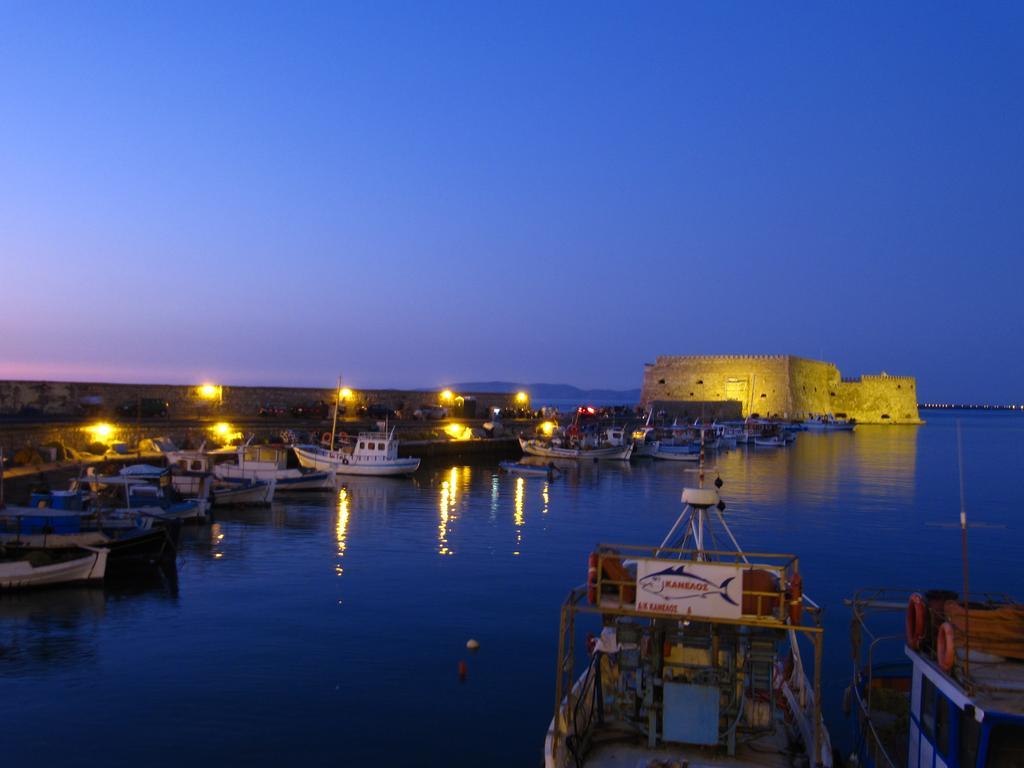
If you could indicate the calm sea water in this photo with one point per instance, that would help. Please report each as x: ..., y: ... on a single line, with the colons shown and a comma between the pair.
x: 328, y: 630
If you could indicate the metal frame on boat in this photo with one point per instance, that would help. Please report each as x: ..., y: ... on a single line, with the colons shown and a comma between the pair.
x: 689, y: 655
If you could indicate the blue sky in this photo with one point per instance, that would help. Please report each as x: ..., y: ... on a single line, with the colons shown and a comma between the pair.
x: 414, y: 193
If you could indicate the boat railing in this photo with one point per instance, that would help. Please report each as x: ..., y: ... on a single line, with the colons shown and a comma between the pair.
x: 866, y: 604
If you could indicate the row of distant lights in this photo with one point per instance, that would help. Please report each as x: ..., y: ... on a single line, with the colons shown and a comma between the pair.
x: 448, y: 396
x: 967, y: 406
x: 104, y: 432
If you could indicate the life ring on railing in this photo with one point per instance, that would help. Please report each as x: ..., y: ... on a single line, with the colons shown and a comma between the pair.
x: 325, y: 439
x: 946, y: 649
x: 796, y: 599
x: 344, y: 460
x: 343, y: 436
x: 915, y: 620
x: 592, y: 578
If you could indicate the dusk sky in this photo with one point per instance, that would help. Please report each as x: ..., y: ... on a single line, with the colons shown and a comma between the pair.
x: 418, y: 193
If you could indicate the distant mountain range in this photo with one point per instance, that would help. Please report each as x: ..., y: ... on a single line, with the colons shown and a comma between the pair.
x: 541, y: 394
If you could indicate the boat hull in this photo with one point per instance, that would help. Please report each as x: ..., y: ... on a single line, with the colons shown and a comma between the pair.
x: 528, y: 470
x: 257, y: 493
x: 342, y: 464
x: 20, y: 574
x: 309, y: 481
x: 617, y: 453
x: 662, y: 455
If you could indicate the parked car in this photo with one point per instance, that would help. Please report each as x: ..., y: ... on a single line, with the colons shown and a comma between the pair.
x: 272, y: 409
x: 147, y: 407
x: 379, y: 411
x: 430, y: 412
x: 317, y: 410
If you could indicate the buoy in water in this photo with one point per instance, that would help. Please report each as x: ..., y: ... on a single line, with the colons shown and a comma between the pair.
x: 472, y: 644
x: 462, y: 670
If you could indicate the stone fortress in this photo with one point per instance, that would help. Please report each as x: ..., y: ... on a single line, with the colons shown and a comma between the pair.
x: 781, y: 386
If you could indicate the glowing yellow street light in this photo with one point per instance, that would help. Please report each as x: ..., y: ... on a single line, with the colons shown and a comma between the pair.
x: 522, y: 398
x: 547, y: 427
x: 446, y: 396
x: 100, y: 431
x: 225, y: 431
x: 209, y: 391
x: 458, y: 432
x: 345, y: 393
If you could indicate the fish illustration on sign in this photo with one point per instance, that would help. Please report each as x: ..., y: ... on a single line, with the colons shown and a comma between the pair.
x: 680, y: 580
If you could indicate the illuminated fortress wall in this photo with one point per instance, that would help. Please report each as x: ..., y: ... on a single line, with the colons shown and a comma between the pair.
x: 781, y: 385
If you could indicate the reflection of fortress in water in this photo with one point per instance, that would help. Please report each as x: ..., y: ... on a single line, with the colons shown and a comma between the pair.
x: 824, y: 468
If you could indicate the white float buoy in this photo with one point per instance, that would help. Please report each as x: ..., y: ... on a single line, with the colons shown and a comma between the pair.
x: 472, y: 644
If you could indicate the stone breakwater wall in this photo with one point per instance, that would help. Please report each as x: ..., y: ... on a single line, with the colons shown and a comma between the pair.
x: 781, y: 386
x: 78, y: 399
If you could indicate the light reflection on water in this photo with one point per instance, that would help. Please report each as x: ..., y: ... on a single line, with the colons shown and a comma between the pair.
x: 341, y: 529
x: 457, y: 552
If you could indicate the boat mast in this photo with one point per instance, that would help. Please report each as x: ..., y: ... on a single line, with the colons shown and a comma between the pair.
x: 963, y: 554
x: 334, y: 424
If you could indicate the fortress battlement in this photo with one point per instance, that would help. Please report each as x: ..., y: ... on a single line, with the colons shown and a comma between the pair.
x: 785, y: 386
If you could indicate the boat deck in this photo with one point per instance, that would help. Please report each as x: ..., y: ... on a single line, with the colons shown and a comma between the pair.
x: 998, y: 685
x: 768, y: 752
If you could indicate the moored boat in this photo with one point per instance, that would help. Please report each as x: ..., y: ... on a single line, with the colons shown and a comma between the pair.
x: 826, y: 422
x: 530, y: 470
x: 936, y: 683
x: 243, y: 492
x: 552, y: 450
x: 270, y: 462
x: 372, y: 453
x: 47, y: 568
x: 698, y: 660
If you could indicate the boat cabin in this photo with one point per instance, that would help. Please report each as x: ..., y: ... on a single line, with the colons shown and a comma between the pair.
x: 374, y: 447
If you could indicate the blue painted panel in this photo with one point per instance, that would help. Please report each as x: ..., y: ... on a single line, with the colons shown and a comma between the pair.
x: 690, y: 714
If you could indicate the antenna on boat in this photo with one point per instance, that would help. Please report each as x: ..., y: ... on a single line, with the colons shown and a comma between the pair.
x: 963, y: 553
x: 1, y: 478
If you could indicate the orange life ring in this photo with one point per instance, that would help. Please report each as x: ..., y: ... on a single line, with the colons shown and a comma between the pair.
x: 916, y: 616
x: 946, y: 647
x: 592, y: 578
x: 796, y: 599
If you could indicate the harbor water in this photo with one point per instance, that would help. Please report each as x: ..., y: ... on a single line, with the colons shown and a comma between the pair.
x: 328, y: 629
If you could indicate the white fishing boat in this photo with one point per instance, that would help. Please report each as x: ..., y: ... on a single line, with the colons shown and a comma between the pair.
x: 44, y: 568
x: 269, y: 462
x: 551, y: 449
x: 826, y: 422
x: 243, y: 491
x: 372, y: 453
x: 697, y: 662
x: 674, y: 453
x: 770, y: 441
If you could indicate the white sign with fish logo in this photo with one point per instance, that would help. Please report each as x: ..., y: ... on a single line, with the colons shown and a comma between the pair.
x: 684, y: 588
